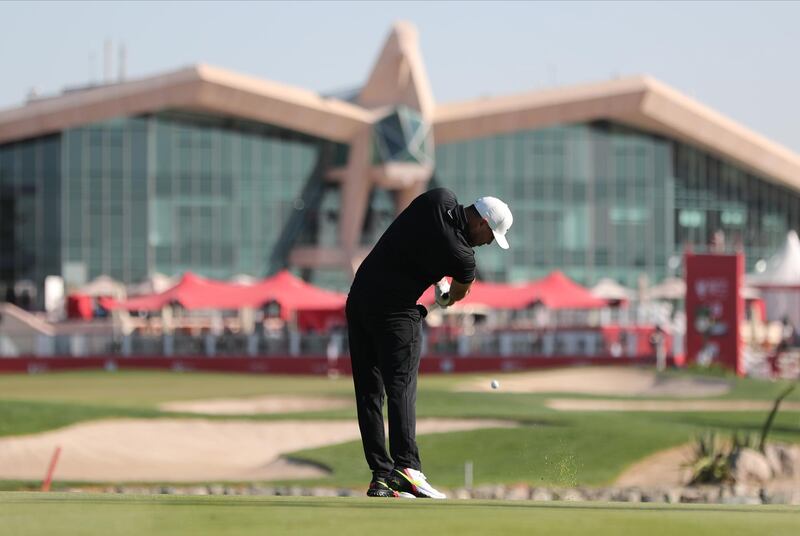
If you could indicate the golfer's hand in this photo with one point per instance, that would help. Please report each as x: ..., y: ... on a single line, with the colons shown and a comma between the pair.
x: 442, y: 293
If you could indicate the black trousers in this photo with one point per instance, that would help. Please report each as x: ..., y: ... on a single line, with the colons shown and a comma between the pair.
x: 384, y: 352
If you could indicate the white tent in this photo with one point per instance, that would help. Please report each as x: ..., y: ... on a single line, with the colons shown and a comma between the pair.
x: 104, y: 285
x: 672, y: 288
x: 779, y: 283
x: 154, y: 284
x: 783, y: 268
x: 608, y: 289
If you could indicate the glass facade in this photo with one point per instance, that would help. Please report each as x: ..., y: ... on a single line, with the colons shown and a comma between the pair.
x: 105, y: 201
x: 223, y: 193
x: 165, y: 193
x: 402, y: 136
x: 602, y: 200
x: 712, y: 195
x: 173, y: 192
x: 30, y: 209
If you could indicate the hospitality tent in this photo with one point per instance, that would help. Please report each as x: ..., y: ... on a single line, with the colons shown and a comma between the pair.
x: 555, y: 291
x: 779, y: 283
x: 191, y: 292
x: 611, y: 291
x: 194, y: 292
x: 492, y: 295
x: 294, y: 294
x: 103, y: 285
x: 671, y: 288
x: 152, y: 285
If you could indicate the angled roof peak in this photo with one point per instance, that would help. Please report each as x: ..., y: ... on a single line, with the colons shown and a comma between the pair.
x: 398, y: 76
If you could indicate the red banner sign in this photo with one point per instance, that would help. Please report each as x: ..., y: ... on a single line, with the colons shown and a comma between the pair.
x: 714, y: 310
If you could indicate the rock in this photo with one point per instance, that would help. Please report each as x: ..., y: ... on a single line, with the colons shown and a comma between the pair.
x: 744, y: 494
x: 541, y: 494
x: 462, y: 493
x: 774, y: 497
x: 571, y: 495
x: 520, y: 492
x: 725, y: 494
x: 790, y: 458
x: 744, y: 499
x: 323, y: 492
x: 773, y: 454
x: 600, y: 494
x: 216, y: 489
x: 692, y: 495
x: 653, y: 495
x: 751, y: 466
x: 673, y: 495
x: 489, y: 492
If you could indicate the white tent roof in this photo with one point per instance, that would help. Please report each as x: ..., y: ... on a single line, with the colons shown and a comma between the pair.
x: 104, y: 285
x: 608, y: 289
x: 154, y: 284
x: 783, y: 268
x: 672, y: 288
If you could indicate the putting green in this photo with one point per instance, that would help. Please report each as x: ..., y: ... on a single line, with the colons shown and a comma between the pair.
x: 24, y: 514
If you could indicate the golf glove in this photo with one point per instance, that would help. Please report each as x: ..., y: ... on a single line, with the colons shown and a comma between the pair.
x: 442, y: 293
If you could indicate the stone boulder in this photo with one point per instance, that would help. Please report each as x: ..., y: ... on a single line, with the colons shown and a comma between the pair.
x: 749, y: 465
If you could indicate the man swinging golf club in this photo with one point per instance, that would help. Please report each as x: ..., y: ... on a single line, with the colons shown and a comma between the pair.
x: 431, y: 239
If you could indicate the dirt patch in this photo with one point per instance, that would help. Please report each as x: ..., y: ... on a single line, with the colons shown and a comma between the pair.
x: 668, y: 468
x: 582, y: 404
x: 187, y: 450
x: 253, y: 406
x: 622, y: 381
x: 664, y: 468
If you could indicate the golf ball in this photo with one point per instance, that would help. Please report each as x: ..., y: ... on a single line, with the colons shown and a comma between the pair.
x: 495, y: 384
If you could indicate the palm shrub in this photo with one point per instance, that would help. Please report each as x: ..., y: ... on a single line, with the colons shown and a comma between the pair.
x: 715, y: 458
x: 711, y: 460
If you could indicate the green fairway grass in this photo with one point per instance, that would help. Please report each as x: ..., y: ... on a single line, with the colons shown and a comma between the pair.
x: 132, y: 388
x: 28, y: 514
x: 548, y: 448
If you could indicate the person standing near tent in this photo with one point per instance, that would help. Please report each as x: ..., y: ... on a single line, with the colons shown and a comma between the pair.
x: 431, y: 239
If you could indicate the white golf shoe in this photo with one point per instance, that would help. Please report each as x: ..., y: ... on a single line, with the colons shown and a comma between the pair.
x: 409, y: 483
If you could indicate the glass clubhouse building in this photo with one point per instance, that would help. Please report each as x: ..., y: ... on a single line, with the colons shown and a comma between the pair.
x: 223, y: 174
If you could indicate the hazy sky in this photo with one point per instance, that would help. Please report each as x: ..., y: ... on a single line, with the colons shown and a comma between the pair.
x: 739, y: 58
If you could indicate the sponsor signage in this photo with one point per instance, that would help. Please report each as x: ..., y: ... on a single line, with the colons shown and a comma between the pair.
x: 714, y: 310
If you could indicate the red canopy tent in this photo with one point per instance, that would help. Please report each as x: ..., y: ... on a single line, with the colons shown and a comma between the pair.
x: 494, y: 295
x: 195, y: 292
x: 556, y: 291
x: 191, y: 292
x: 316, y: 308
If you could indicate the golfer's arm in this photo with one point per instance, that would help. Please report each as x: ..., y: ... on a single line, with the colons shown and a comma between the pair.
x: 458, y: 290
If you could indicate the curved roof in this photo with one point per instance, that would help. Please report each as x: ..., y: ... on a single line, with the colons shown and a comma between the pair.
x: 641, y: 102
x: 399, y: 77
x: 200, y: 88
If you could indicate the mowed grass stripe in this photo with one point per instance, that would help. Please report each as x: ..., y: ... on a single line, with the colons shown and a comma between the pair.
x: 26, y: 514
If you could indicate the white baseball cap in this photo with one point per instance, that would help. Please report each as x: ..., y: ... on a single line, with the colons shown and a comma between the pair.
x: 499, y: 217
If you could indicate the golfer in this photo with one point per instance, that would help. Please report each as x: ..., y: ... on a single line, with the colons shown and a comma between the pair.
x: 431, y: 239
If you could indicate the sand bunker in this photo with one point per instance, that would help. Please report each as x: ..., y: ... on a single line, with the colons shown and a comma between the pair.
x: 664, y: 468
x: 582, y: 404
x: 620, y: 381
x: 668, y: 468
x: 252, y: 406
x: 187, y: 450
